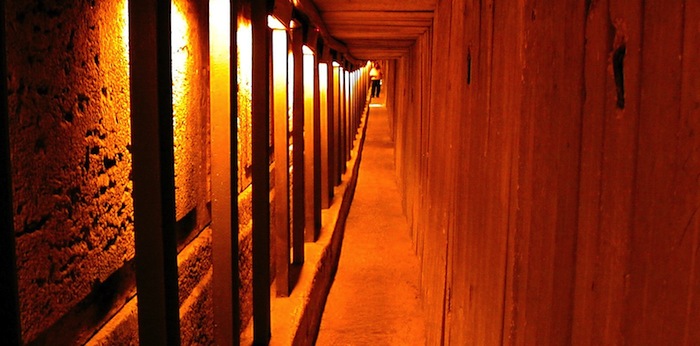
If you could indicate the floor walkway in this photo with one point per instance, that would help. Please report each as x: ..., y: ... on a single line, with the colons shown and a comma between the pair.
x: 374, y: 298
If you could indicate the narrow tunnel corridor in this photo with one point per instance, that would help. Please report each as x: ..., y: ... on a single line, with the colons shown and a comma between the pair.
x: 211, y: 172
x: 375, y: 297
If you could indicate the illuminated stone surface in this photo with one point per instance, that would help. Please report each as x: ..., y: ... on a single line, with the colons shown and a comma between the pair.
x: 69, y: 116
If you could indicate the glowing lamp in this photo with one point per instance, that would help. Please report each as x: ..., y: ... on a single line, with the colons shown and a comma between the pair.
x: 306, y: 50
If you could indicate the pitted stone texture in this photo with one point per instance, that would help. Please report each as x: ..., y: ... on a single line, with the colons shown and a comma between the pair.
x: 197, y: 319
x: 191, y: 105
x: 195, y: 297
x: 245, y: 256
x: 69, y: 122
x: 193, y: 262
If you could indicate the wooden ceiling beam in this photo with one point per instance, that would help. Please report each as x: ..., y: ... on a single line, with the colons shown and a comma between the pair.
x: 360, y: 31
x: 375, y: 17
x: 375, y: 5
x: 378, y: 29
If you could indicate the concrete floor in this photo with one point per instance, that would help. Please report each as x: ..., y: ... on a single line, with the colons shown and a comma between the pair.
x: 374, y: 299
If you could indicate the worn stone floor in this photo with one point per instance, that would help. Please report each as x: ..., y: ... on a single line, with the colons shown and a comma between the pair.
x: 374, y: 299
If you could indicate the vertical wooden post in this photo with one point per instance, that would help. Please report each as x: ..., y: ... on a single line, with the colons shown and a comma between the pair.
x: 10, y: 328
x: 360, y: 98
x: 153, y: 172
x: 260, y: 171
x: 298, y: 183
x: 337, y: 103
x: 351, y: 111
x: 351, y: 115
x: 342, y: 118
x: 224, y: 188
x: 312, y: 150
x: 280, y: 121
x: 333, y: 111
x: 348, y: 115
x: 355, y: 105
x: 325, y: 76
x: 317, y: 147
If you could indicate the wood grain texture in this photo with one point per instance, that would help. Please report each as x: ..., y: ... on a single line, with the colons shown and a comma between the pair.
x: 362, y: 26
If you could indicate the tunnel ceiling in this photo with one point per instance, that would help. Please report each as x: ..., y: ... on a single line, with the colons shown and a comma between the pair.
x: 376, y: 29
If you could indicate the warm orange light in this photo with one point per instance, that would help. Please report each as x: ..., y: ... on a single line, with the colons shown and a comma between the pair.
x: 280, y: 56
x: 306, y: 50
x: 275, y: 23
x: 180, y: 59
x: 244, y: 44
x: 322, y: 76
x: 290, y: 89
x: 309, y: 61
x: 125, y: 28
x: 309, y: 76
x: 219, y: 60
x: 323, y: 89
x: 219, y: 28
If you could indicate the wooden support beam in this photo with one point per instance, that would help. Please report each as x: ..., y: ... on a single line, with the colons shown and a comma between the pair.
x: 350, y: 114
x: 224, y: 181
x: 335, y: 126
x: 299, y: 171
x: 325, y: 95
x: 312, y: 150
x: 311, y: 35
x: 327, y: 6
x: 280, y: 120
x: 308, y: 8
x: 260, y: 170
x: 400, y: 18
x: 282, y: 10
x: 356, y: 100
x: 353, y: 114
x: 153, y: 172
x: 342, y: 147
x: 10, y: 328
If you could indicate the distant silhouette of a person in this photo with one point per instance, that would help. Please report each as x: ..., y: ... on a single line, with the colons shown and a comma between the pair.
x: 375, y: 74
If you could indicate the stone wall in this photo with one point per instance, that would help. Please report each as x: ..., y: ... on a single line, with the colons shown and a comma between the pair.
x: 69, y: 116
x: 68, y: 78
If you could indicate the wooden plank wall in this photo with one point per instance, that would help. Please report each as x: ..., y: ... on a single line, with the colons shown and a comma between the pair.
x: 548, y: 160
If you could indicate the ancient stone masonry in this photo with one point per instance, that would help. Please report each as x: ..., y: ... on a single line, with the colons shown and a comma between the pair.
x: 69, y: 116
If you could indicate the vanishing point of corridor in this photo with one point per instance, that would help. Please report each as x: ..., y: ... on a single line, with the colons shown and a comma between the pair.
x: 374, y: 299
